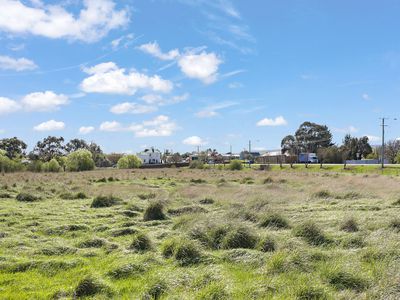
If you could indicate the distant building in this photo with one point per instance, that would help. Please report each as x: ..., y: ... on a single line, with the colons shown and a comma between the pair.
x: 150, y: 156
x: 246, y: 155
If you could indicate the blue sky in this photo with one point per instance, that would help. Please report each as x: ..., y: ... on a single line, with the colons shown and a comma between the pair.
x: 177, y: 74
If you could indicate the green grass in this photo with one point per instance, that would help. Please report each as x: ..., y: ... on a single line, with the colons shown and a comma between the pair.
x: 164, y: 234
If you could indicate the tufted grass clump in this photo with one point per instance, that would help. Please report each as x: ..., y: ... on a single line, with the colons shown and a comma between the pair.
x: 93, y: 243
x: 343, y: 280
x: 311, y: 233
x: 70, y: 196
x: 309, y: 292
x: 266, y: 244
x: 105, y: 201
x: 126, y: 271
x: 349, y: 225
x: 141, y: 243
x: 207, y: 201
x: 240, y: 237
x: 395, y: 224
x: 397, y: 202
x: 185, y: 252
x: 275, y: 221
x: 26, y: 197
x: 155, y: 211
x: 322, y: 194
x: 90, y: 286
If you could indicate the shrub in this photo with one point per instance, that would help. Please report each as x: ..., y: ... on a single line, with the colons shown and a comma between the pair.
x: 198, y: 181
x: 141, y: 243
x: 35, y: 166
x: 274, y: 220
x: 105, y: 201
x: 129, y: 162
x: 311, y: 233
x: 80, y: 160
x: 9, y: 165
x: 240, y: 237
x: 267, y: 244
x: 90, y: 286
x: 235, y: 165
x: 196, y: 164
x: 25, y: 197
x: 155, y: 211
x: 342, y: 280
x: 51, y: 166
x: 349, y: 225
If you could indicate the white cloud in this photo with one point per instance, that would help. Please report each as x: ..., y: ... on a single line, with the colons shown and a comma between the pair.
x: 157, y: 127
x: 206, y: 114
x: 366, y: 97
x: 278, y: 121
x: 113, y: 126
x: 94, y: 20
x: 212, y: 110
x: 132, y: 108
x: 86, y: 129
x: 110, y: 79
x: 235, y: 85
x: 50, y: 126
x: 161, y: 101
x: 203, y: 66
x: 350, y: 129
x: 374, y: 139
x: 16, y: 64
x: 155, y: 50
x: 8, y: 106
x: 194, y: 141
x: 44, y: 101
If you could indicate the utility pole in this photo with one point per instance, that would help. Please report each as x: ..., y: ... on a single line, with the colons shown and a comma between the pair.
x: 249, y: 146
x: 383, y: 143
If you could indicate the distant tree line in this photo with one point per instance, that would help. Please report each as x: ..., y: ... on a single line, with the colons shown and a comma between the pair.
x: 52, y: 154
x: 315, y: 138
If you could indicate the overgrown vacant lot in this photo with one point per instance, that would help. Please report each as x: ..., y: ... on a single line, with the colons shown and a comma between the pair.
x: 199, y: 234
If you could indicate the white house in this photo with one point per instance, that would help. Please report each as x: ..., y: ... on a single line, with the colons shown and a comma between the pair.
x: 150, y: 156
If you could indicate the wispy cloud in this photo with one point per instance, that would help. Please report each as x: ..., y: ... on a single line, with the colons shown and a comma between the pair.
x: 212, y: 110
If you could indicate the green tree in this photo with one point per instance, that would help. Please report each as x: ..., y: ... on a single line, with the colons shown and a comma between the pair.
x: 397, y: 158
x: 13, y: 147
x: 80, y: 160
x: 357, y: 148
x: 289, y: 145
x: 50, y: 147
x: 129, y: 162
x: 76, y: 144
x: 311, y: 136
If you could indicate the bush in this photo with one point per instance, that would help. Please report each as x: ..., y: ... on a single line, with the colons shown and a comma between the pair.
x: 90, y: 286
x: 235, y: 165
x: 323, y: 194
x: 240, y: 237
x: 141, y: 243
x: 105, y: 201
x: 35, y: 166
x: 274, y: 220
x: 155, y: 211
x: 311, y: 233
x: 80, y: 160
x: 51, y: 166
x: 70, y: 196
x: 267, y: 244
x: 8, y: 165
x: 196, y: 164
x: 25, y: 197
x: 349, y: 225
x: 129, y: 162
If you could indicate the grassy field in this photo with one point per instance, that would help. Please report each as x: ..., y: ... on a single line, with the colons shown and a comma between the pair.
x: 200, y: 234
